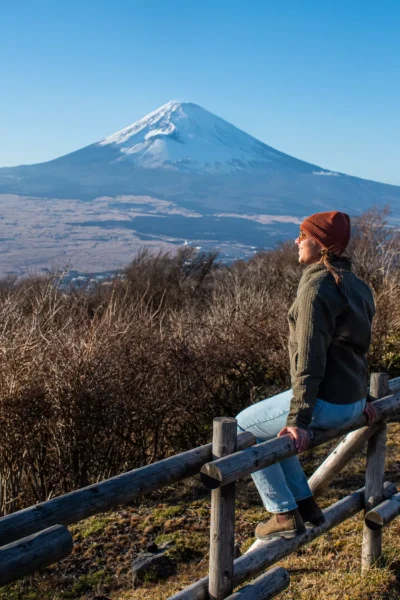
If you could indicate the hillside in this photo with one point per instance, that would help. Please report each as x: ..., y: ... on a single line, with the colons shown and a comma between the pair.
x: 101, y: 379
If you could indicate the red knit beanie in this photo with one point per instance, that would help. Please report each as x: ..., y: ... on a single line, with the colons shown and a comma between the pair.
x: 330, y: 229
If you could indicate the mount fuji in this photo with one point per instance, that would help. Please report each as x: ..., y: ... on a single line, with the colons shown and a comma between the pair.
x: 180, y: 173
x: 189, y: 138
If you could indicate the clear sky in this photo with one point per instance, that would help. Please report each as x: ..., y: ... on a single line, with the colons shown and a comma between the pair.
x: 317, y: 79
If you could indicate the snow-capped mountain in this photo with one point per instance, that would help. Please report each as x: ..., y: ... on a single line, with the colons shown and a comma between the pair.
x: 179, y: 175
x: 185, y: 154
x: 184, y: 136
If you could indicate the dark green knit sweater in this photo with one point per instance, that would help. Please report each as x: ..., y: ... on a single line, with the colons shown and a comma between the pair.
x: 330, y: 333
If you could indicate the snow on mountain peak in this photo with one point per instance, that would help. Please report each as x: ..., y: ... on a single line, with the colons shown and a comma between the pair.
x: 186, y: 136
x: 161, y: 114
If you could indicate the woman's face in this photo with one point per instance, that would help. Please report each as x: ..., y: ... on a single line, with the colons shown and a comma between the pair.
x: 309, y: 249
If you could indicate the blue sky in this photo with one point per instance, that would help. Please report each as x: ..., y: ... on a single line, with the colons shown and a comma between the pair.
x: 319, y: 80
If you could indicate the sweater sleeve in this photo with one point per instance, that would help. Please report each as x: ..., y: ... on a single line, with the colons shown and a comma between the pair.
x: 314, y: 329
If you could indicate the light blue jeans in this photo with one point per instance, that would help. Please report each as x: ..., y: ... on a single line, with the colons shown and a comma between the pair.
x: 283, y: 483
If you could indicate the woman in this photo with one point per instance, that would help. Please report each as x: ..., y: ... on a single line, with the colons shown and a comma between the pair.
x: 330, y: 333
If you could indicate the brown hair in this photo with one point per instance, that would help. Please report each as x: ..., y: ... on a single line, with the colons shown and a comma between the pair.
x: 326, y: 259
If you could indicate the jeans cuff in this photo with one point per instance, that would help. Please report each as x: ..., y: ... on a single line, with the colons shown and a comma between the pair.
x: 282, y: 510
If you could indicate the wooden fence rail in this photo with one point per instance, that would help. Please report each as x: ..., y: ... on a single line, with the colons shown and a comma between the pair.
x: 230, y: 468
x: 348, y: 447
x: 268, y: 585
x: 384, y: 513
x: 116, y: 491
x: 33, y: 553
x: 220, y: 475
x: 266, y: 554
x: 42, y: 539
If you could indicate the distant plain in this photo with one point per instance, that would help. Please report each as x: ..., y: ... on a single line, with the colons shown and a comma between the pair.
x: 104, y: 234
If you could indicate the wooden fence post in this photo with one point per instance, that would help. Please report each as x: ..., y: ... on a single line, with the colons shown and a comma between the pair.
x: 222, y: 529
x: 374, y: 478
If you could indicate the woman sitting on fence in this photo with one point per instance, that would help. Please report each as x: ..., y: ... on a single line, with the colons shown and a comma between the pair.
x: 330, y: 333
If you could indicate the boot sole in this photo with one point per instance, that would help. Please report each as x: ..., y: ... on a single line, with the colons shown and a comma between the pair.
x: 288, y: 535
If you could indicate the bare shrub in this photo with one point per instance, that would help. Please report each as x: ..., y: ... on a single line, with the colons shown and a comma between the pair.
x: 375, y: 250
x: 98, y: 380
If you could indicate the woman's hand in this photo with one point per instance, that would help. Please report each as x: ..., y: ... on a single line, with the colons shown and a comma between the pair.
x: 301, y: 437
x: 370, y: 412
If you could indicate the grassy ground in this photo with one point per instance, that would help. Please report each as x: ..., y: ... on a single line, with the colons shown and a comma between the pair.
x: 105, y: 545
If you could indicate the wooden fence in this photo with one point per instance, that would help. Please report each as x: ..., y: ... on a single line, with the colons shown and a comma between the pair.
x: 37, y: 536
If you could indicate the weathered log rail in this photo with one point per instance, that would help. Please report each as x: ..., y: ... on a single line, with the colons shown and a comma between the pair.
x: 230, y: 468
x: 265, y: 554
x: 106, y: 495
x: 20, y: 527
x: 222, y: 473
x: 384, y: 513
x: 33, y: 553
x: 36, y: 537
x: 347, y: 448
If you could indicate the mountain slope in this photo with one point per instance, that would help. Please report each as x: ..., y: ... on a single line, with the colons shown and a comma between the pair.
x: 185, y: 154
x: 179, y: 175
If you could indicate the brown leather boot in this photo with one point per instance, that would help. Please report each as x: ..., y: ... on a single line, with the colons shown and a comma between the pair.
x: 310, y: 511
x: 287, y: 525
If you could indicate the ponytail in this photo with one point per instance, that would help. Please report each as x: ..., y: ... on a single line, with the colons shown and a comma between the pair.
x: 326, y: 259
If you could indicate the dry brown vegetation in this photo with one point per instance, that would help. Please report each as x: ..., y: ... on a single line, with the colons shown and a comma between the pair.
x: 101, y: 379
